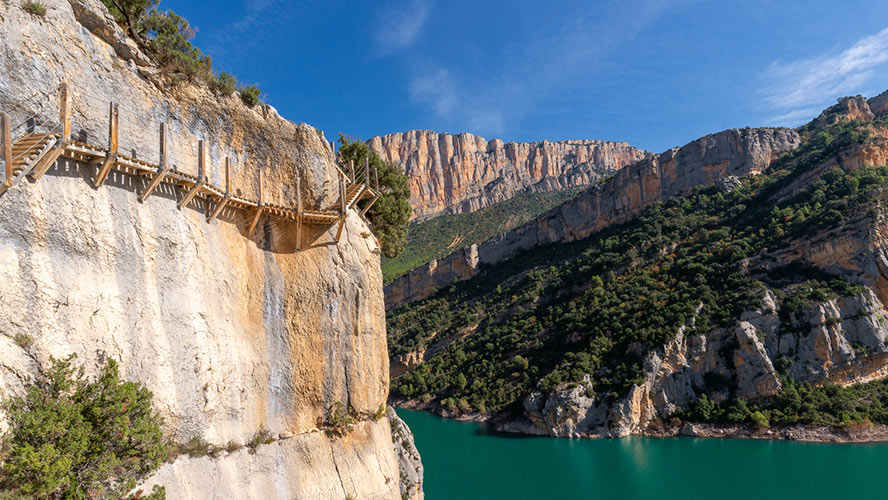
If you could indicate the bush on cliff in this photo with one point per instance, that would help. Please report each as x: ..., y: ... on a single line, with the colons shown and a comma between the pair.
x: 391, y: 213
x: 166, y: 37
x: 71, y: 438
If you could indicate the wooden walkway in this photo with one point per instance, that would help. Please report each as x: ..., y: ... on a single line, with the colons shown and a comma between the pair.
x: 32, y: 154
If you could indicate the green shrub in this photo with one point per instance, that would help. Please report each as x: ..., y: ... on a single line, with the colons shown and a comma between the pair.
x: 23, y: 340
x: 262, y: 436
x: 196, y: 447
x: 380, y: 412
x: 338, y: 421
x: 391, y: 212
x: 35, y: 7
x: 72, y: 438
x: 224, y: 83
x: 250, y: 95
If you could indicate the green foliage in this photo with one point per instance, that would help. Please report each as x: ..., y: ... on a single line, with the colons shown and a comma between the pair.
x: 250, y: 95
x: 34, y: 7
x: 73, y: 438
x: 262, y: 436
x: 338, y: 421
x: 223, y: 83
x: 391, y: 212
x: 800, y: 403
x: 380, y: 412
x: 197, y: 446
x: 442, y: 235
x: 23, y: 340
x: 595, y: 307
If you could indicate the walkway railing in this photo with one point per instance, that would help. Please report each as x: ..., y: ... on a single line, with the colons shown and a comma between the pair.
x: 32, y: 146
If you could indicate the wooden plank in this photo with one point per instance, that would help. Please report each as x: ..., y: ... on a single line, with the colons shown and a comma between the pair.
x: 65, y: 111
x: 191, y: 194
x: 342, y: 213
x: 111, y: 157
x: 47, y: 161
x: 219, y: 206
x: 7, y: 148
x: 367, y: 208
x: 153, y: 184
x: 299, y: 214
x: 162, y: 171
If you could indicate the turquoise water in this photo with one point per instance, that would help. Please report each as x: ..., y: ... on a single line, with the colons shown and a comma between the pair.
x: 464, y: 461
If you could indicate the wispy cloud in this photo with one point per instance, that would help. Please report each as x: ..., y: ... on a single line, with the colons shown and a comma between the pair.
x: 397, y: 27
x: 799, y: 89
x: 492, y: 99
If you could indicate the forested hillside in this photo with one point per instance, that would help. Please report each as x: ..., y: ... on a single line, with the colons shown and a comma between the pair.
x: 730, y: 295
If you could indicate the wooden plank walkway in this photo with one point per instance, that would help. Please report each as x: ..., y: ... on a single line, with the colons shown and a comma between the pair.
x: 33, y: 154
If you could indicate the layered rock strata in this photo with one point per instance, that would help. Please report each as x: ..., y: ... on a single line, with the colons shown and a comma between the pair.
x: 451, y: 174
x: 702, y: 162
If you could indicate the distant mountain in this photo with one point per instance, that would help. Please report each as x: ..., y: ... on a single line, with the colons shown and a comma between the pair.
x: 676, y: 171
x: 451, y: 174
x: 738, y: 282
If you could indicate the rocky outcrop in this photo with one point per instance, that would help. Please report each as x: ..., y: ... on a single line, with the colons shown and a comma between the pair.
x: 841, y: 341
x: 734, y: 152
x: 232, y: 331
x: 409, y: 462
x: 451, y: 174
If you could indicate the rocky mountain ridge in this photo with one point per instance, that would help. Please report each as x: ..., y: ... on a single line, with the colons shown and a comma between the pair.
x: 699, y: 163
x: 234, y: 332
x: 729, y: 295
x: 451, y: 174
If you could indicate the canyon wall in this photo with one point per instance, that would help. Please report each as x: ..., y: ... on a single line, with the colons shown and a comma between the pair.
x: 232, y: 331
x: 702, y: 162
x: 451, y: 174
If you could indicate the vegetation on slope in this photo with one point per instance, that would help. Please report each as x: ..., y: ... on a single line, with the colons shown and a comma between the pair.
x: 71, y: 438
x: 438, y: 237
x: 166, y: 37
x: 391, y: 212
x: 554, y: 314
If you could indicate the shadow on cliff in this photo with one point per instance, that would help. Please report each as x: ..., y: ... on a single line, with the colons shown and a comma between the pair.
x: 270, y: 234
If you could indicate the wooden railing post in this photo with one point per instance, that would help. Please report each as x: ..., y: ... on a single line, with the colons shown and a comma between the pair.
x: 376, y: 181
x: 7, y: 148
x: 342, y: 212
x: 367, y: 172
x: 65, y: 112
x: 162, y: 169
x: 111, y: 157
x: 298, y: 213
x: 351, y: 170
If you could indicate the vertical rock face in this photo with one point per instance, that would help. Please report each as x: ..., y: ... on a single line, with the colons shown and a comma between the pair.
x: 702, y: 162
x: 232, y: 331
x: 451, y: 174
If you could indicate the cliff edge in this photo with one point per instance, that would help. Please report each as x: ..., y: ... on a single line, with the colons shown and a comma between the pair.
x: 233, y: 331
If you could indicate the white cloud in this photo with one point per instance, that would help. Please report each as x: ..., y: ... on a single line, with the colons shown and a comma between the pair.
x: 397, y: 27
x: 800, y: 89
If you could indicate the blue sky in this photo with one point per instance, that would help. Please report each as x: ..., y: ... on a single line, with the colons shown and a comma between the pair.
x: 654, y: 73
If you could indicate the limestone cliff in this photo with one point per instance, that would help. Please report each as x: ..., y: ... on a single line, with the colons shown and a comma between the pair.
x: 451, y: 174
x: 676, y: 171
x: 232, y: 331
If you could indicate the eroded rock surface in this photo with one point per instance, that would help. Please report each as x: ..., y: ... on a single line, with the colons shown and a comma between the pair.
x: 451, y: 174
x: 702, y: 162
x: 232, y: 331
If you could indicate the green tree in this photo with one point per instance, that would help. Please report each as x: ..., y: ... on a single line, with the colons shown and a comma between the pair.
x: 391, y: 213
x: 71, y: 438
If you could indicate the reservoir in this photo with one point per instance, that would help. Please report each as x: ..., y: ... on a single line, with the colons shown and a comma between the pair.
x: 467, y: 461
